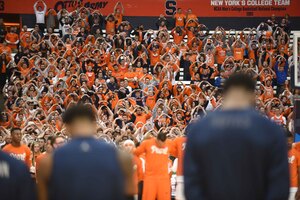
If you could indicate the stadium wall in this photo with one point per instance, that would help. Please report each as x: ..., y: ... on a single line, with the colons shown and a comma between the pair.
x: 237, y: 23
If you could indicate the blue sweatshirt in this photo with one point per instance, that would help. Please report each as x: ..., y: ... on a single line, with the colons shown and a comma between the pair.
x: 236, y: 155
x: 86, y: 169
x: 281, y: 75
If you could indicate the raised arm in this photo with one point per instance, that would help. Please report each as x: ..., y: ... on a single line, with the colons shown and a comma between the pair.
x: 45, y: 6
x: 34, y: 6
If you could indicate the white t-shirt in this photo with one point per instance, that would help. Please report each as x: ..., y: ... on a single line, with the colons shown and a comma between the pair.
x: 40, y: 17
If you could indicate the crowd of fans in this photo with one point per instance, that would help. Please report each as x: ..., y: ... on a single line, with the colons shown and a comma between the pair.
x: 130, y: 75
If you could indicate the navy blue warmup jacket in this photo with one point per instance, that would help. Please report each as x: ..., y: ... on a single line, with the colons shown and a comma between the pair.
x: 15, y: 180
x: 236, y: 155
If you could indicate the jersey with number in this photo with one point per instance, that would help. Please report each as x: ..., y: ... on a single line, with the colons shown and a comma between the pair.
x: 22, y: 153
x: 156, y: 158
x: 294, y: 164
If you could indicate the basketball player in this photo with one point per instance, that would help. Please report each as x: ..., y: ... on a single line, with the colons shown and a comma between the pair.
x: 16, y: 149
x: 157, y: 184
x: 179, y: 146
x: 84, y: 168
x: 294, y: 165
x: 235, y: 153
x: 15, y: 179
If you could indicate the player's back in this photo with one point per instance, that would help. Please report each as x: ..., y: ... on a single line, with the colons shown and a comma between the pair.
x: 15, y: 180
x: 86, y: 169
x: 238, y: 155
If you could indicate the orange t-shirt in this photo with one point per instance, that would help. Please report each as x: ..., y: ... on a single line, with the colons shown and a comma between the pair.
x: 12, y: 37
x: 22, y: 153
x: 142, y: 118
x: 154, y: 58
x: 238, y: 54
x: 179, y: 147
x: 178, y: 38
x: 110, y: 27
x: 151, y: 101
x: 294, y: 164
x: 119, y: 18
x: 179, y: 19
x: 221, y: 55
x: 156, y: 158
x: 269, y: 93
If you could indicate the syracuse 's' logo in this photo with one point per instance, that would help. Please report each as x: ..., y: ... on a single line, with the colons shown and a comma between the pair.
x: 170, y: 7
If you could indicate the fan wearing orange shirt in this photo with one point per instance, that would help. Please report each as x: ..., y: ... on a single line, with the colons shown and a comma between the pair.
x: 157, y: 184
x: 132, y: 76
x: 178, y: 34
x: 90, y: 75
x: 12, y: 38
x: 110, y: 26
x: 4, y: 48
x: 16, y: 149
x: 151, y: 98
x: 118, y: 13
x: 294, y: 165
x: 24, y: 33
x: 238, y: 50
x: 154, y: 50
x: 179, y: 18
x: 140, y: 116
x: 191, y: 16
x: 221, y: 50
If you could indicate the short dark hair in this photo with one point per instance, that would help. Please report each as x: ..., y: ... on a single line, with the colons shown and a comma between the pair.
x: 78, y: 111
x: 50, y: 139
x: 162, y: 136
x: 240, y: 80
x: 15, y: 129
x: 53, y: 139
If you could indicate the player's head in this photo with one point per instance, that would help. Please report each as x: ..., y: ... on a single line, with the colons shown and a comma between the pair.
x: 161, y: 137
x: 57, y: 141
x: 179, y: 10
x: 239, y: 92
x: 16, y: 135
x: 128, y: 146
x: 290, y: 139
x: 80, y: 120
